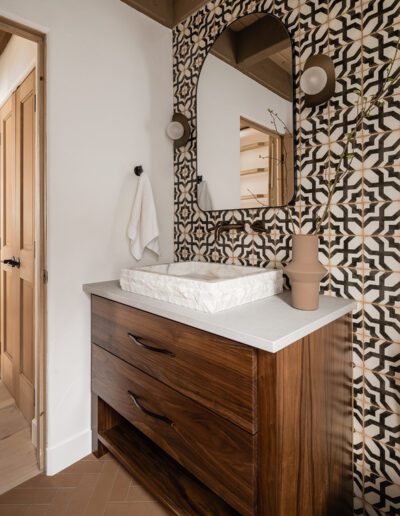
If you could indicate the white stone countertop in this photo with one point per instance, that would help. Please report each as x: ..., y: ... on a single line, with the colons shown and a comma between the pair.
x: 270, y: 324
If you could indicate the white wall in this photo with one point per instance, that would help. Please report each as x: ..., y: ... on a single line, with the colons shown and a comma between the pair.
x: 17, y: 60
x: 109, y: 101
x: 224, y: 95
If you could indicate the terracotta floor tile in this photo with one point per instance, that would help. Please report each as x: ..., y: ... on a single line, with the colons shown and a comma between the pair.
x: 60, y: 503
x: 13, y: 510
x: 84, y: 467
x: 90, y: 457
x: 138, y: 494
x: 24, y: 510
x: 91, y: 487
x: 57, y: 481
x: 121, y: 485
x: 102, y: 491
x: 81, y: 495
x: 134, y: 509
x: 27, y: 497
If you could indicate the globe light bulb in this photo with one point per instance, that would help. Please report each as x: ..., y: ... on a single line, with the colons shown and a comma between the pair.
x: 175, y: 130
x: 313, y: 80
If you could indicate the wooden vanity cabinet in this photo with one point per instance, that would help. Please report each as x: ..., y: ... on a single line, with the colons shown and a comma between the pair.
x: 211, y: 426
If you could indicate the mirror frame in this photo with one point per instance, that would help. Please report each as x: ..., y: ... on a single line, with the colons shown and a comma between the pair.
x: 208, y: 48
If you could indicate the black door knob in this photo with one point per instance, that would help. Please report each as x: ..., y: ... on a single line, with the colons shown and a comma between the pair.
x: 12, y: 262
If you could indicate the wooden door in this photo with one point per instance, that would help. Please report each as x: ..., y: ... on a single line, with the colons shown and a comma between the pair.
x: 25, y: 239
x: 18, y: 221
x: 9, y: 275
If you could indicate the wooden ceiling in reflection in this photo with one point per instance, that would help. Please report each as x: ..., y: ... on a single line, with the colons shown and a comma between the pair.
x: 257, y: 45
x: 4, y: 39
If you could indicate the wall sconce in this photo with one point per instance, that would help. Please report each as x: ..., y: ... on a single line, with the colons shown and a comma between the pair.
x: 318, y: 80
x: 178, y: 130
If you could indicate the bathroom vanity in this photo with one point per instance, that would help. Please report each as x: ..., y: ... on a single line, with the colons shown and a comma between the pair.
x: 245, y: 411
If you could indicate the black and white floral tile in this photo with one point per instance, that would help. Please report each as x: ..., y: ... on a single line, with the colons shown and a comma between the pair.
x: 360, y: 243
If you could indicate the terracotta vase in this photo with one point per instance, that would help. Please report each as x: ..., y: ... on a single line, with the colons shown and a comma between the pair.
x: 305, y: 272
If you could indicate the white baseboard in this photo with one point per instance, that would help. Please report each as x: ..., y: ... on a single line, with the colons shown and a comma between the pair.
x: 34, y: 432
x: 68, y: 452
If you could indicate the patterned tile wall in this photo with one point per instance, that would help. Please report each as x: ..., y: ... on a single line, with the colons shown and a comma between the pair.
x: 360, y: 243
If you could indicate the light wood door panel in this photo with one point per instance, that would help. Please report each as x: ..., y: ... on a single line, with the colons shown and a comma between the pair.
x: 26, y: 175
x: 9, y: 277
x: 9, y: 332
x: 25, y: 225
x: 8, y: 114
x: 18, y: 233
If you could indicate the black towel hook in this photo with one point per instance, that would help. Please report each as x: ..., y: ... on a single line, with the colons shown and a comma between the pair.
x: 138, y: 170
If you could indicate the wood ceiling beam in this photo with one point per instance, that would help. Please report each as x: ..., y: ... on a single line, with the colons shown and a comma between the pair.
x: 260, y: 40
x: 184, y: 8
x: 225, y: 47
x: 266, y: 72
x: 272, y: 76
x: 260, y: 55
x: 161, y: 11
x: 166, y: 12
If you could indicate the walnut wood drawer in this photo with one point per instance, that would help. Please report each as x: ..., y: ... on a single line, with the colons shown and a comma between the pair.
x: 217, y: 452
x: 217, y: 372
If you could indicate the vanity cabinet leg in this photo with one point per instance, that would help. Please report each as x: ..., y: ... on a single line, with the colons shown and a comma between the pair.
x: 103, y: 418
x: 97, y: 448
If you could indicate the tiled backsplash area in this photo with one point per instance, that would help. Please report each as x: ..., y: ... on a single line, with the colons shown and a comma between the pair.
x: 360, y: 245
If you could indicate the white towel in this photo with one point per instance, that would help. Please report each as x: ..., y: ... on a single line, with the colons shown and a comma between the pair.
x: 204, y: 197
x: 143, y: 226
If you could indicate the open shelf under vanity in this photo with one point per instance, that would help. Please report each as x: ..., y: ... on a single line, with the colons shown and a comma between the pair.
x: 157, y: 472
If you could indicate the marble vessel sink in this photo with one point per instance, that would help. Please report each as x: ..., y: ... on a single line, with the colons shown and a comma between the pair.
x: 209, y: 287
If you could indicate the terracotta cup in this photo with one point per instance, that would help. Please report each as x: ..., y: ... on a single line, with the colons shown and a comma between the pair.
x: 305, y: 272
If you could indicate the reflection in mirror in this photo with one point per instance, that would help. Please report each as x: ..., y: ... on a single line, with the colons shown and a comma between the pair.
x: 245, y: 117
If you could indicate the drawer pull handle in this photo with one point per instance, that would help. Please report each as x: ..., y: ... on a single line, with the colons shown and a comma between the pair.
x: 148, y: 412
x: 138, y: 342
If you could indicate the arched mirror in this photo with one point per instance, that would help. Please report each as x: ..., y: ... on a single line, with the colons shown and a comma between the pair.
x: 245, y: 123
